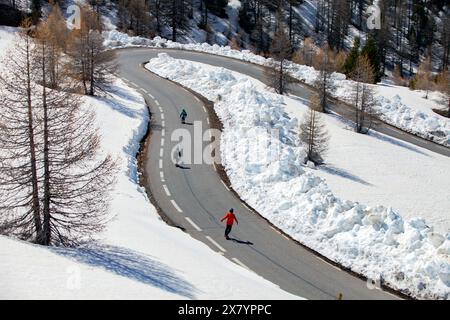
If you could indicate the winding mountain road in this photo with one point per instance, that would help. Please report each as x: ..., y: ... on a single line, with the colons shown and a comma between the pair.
x: 195, y: 198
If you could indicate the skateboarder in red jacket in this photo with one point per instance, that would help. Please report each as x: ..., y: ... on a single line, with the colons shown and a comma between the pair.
x: 230, y: 217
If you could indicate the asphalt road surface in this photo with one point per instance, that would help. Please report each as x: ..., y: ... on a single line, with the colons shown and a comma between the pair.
x: 195, y: 198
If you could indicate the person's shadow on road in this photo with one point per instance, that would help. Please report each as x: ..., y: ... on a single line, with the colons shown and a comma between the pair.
x: 248, y: 243
x: 179, y: 166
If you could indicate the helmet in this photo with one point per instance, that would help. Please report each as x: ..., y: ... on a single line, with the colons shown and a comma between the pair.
x: 231, y: 210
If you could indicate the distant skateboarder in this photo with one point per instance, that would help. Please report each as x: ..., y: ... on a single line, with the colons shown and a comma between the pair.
x: 230, y: 217
x: 183, y: 116
x: 178, y: 155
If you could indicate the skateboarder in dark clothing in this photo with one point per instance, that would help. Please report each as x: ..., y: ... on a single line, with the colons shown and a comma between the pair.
x: 230, y: 217
x: 183, y: 116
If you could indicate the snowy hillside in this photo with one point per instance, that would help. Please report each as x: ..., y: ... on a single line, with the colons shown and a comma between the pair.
x: 373, y: 240
x: 138, y: 256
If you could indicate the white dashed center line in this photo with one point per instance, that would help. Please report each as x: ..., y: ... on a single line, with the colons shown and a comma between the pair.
x: 157, y: 102
x: 196, y: 227
x: 225, y: 185
x: 161, y: 152
x: 240, y: 263
x: 161, y: 174
x: 417, y: 139
x: 205, y: 109
x: 166, y: 190
x: 162, y: 142
x: 163, y: 132
x: 162, y: 116
x: 216, y: 244
x: 160, y: 163
x: 163, y: 123
x: 176, y: 206
x: 275, y: 230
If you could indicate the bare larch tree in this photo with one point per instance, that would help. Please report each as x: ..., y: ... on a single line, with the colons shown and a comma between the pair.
x: 76, y: 180
x: 90, y: 62
x: 19, y: 189
x: 363, y: 75
x: 425, y: 76
x: 313, y: 133
x: 323, y: 84
x: 281, y: 52
x: 54, y: 182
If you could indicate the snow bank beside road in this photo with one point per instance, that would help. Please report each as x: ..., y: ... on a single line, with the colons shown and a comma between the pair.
x: 375, y: 241
x: 394, y: 110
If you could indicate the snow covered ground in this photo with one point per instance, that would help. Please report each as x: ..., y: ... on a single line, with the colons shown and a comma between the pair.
x: 7, y: 37
x: 405, y: 109
x: 377, y: 241
x: 416, y: 99
x: 138, y: 256
x: 394, y: 104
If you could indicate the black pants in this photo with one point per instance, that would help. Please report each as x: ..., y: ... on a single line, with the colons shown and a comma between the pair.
x: 227, y: 231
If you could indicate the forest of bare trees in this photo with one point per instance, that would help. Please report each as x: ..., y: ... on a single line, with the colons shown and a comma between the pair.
x: 92, y: 64
x: 148, y: 17
x: 54, y: 183
x: 409, y: 29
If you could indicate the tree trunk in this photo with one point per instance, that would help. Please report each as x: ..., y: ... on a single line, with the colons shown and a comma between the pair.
x: 91, y: 75
x: 158, y: 19
x: 174, y: 21
x: 260, y: 28
x: 311, y: 135
x: 290, y: 22
x: 357, y: 124
x: 83, y: 66
x: 448, y: 114
x: 324, y: 91
x: 281, y: 88
x: 362, y: 114
x: 46, y: 203
x: 34, y: 177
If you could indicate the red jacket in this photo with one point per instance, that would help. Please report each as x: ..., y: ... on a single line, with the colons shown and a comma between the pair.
x: 230, y: 217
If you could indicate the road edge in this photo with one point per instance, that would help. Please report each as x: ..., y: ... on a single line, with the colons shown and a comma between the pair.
x: 142, y: 159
